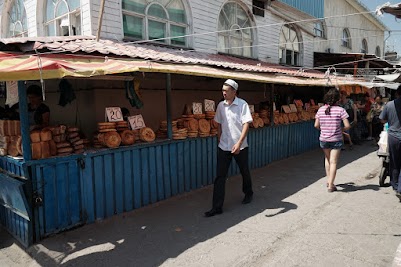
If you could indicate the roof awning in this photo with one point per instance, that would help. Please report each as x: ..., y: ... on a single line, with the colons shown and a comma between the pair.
x: 52, y: 66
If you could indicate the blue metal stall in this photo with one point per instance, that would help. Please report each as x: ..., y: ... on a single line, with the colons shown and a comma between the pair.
x: 42, y: 197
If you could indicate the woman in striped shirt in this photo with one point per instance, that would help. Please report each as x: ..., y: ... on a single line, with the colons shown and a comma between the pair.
x: 328, y: 120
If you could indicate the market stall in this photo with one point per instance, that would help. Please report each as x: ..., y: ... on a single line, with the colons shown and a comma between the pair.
x: 94, y: 168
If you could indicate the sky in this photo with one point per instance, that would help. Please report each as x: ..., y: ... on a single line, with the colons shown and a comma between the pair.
x: 394, y: 41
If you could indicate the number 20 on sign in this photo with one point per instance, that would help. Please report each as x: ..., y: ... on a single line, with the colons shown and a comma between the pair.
x: 114, y: 114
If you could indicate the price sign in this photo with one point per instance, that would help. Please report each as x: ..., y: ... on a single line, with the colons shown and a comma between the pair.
x: 136, y: 122
x: 196, y: 108
x: 286, y: 109
x: 312, y: 102
x: 114, y: 114
x: 293, y: 108
x: 209, y: 105
x: 252, y: 108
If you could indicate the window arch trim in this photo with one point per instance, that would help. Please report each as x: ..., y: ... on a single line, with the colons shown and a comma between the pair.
x: 346, y: 38
x: 290, y: 52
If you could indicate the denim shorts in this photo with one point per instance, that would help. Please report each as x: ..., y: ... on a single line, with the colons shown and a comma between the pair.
x: 331, y: 145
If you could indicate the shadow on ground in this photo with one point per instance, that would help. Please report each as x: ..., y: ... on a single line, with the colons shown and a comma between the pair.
x: 154, y: 234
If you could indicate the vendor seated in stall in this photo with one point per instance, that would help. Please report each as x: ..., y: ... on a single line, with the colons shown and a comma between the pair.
x: 38, y: 112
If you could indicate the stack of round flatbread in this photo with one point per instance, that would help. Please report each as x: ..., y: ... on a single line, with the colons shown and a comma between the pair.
x: 127, y: 137
x: 264, y: 115
x: 105, y: 127
x: 209, y: 115
x: 146, y: 134
x: 180, y: 134
x: 285, y: 118
x: 122, y: 126
x: 204, y: 128
x: 64, y: 148
x: 199, y: 116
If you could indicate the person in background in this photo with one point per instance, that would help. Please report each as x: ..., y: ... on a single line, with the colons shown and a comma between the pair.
x: 351, y: 110
x: 392, y: 114
x: 125, y: 112
x: 328, y: 119
x: 233, y: 117
x: 376, y: 110
x: 38, y: 112
x: 365, y: 108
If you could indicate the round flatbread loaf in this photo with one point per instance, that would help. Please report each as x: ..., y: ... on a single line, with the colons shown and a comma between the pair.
x: 73, y: 135
x: 193, y: 125
x: 79, y: 142
x: 127, y: 137
x: 12, y: 149
x: 78, y: 147
x: 63, y: 144
x: 204, y: 126
x: 72, y: 129
x: 65, y: 150
x: 146, y: 134
x: 112, y: 139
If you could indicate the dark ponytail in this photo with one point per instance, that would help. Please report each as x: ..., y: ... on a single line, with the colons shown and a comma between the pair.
x: 331, y: 98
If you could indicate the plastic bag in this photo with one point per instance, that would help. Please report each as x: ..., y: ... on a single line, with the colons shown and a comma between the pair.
x: 383, y: 147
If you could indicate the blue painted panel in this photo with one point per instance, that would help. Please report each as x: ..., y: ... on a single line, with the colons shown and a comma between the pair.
x: 159, y: 173
x: 48, y: 177
x: 88, y: 191
x: 152, y: 175
x: 17, y: 226
x: 180, y: 166
x: 99, y: 187
x: 187, y: 166
x: 12, y: 166
x: 137, y: 179
x: 119, y: 182
x: 145, y: 176
x: 13, y: 197
x: 109, y: 188
x: 312, y: 7
x: 192, y: 145
x: 173, y: 169
x: 128, y: 181
x: 166, y: 171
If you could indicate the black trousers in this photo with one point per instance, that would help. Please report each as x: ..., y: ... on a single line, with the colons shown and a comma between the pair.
x: 394, y: 146
x: 224, y: 159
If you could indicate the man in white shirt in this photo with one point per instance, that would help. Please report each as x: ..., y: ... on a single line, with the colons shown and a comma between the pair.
x: 233, y: 117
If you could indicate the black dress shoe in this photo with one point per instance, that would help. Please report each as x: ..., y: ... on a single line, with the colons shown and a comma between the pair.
x: 213, y: 212
x: 247, y: 199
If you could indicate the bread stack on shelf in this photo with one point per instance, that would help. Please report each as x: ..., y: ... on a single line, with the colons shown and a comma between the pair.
x: 10, y: 138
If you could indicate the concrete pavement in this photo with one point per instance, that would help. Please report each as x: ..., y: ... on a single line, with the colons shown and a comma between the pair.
x: 293, y: 221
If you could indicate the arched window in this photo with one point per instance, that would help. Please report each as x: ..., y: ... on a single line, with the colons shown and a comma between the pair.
x: 235, y: 35
x: 62, y: 18
x: 378, y: 52
x: 346, y: 39
x: 289, y: 47
x: 319, y: 29
x: 159, y: 20
x: 364, y: 46
x: 17, y: 23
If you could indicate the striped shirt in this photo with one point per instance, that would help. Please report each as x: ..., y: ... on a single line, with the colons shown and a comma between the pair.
x: 330, y: 125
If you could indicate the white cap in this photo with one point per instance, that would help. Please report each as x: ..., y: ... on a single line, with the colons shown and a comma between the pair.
x: 232, y: 83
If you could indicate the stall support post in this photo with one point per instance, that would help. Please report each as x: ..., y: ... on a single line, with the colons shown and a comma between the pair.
x: 271, y: 106
x: 24, y: 119
x: 168, y: 106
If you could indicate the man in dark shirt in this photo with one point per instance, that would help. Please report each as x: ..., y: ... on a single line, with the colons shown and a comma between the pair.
x: 39, y: 113
x: 392, y: 114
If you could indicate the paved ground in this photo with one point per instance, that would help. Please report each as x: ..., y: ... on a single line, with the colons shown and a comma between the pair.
x: 293, y: 221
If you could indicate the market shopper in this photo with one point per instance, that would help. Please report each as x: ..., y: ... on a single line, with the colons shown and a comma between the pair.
x: 38, y: 112
x: 392, y: 114
x: 351, y: 110
x: 328, y: 119
x: 375, y: 111
x: 233, y: 117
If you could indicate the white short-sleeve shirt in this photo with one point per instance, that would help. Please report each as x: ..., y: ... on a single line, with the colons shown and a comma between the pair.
x: 232, y: 118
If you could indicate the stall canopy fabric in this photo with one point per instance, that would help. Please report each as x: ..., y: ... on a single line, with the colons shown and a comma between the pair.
x: 393, y: 9
x: 58, y: 57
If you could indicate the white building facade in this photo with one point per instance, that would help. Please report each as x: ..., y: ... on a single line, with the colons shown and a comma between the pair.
x: 244, y: 28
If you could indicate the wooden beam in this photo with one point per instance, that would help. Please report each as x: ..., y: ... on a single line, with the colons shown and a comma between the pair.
x: 100, y: 20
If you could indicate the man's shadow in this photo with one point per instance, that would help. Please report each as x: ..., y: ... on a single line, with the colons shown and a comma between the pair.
x: 283, y: 206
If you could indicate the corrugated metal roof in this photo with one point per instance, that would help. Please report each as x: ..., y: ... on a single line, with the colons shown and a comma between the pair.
x: 88, y: 45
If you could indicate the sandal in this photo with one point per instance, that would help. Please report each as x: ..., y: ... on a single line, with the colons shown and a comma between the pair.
x: 332, y: 189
